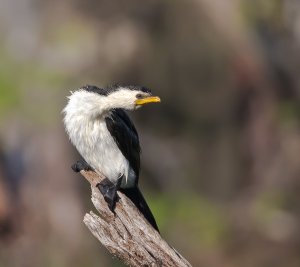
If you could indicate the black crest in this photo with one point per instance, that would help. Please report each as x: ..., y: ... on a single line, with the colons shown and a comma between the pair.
x: 95, y: 89
x: 113, y: 88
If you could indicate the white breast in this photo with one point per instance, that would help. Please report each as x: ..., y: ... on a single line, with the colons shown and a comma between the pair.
x: 85, y: 124
x: 96, y: 145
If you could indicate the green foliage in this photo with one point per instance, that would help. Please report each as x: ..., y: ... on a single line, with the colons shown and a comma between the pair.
x: 268, y: 204
x: 199, y: 219
x: 9, y: 85
x: 288, y: 113
x: 24, y: 87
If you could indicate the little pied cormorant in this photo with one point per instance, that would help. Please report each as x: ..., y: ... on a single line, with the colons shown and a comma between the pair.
x: 106, y: 138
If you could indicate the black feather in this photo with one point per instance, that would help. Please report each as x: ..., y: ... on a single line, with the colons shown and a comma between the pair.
x: 135, y: 195
x: 113, y: 88
x: 95, y: 89
x: 126, y: 137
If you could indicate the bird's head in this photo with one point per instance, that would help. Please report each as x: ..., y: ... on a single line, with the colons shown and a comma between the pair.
x: 130, y: 97
x: 119, y: 96
x: 91, y: 100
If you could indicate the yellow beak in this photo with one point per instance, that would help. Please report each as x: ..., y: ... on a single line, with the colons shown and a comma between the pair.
x: 146, y: 100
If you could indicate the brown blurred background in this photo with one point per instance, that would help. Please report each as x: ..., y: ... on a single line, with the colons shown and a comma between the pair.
x: 221, y: 153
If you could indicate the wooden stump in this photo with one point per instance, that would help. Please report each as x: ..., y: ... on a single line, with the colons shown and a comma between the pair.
x: 126, y: 234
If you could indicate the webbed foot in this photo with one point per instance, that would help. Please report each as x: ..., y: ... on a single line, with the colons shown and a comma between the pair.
x: 109, y: 191
x: 81, y: 165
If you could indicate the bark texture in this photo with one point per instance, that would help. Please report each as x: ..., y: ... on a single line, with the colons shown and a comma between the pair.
x: 126, y: 234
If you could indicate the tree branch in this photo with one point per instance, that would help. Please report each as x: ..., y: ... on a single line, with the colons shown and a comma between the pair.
x: 126, y: 233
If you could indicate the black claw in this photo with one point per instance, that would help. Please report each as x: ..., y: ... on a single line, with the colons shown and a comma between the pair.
x: 119, y: 181
x: 81, y: 165
x: 109, y: 192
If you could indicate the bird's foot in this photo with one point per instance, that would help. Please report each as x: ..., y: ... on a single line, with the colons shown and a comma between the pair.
x: 81, y: 165
x: 109, y: 191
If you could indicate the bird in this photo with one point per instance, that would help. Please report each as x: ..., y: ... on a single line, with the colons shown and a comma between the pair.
x: 97, y: 124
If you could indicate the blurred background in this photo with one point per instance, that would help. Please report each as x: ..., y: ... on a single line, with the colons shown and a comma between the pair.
x: 221, y: 153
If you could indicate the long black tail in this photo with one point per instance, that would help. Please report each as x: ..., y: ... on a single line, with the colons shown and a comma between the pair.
x: 137, y: 198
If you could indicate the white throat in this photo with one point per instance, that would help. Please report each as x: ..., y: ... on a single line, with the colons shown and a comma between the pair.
x: 85, y: 124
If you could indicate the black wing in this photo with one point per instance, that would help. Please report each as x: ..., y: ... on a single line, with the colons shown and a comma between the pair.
x: 137, y: 198
x: 126, y: 137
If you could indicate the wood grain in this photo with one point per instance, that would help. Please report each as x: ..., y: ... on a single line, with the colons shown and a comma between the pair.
x: 126, y: 234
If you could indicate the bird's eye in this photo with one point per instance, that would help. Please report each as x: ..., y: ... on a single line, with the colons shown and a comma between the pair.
x: 139, y: 96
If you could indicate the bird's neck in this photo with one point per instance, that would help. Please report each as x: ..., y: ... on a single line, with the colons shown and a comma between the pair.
x: 90, y: 109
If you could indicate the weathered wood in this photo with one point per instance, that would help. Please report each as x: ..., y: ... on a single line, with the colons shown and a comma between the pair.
x: 126, y: 234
